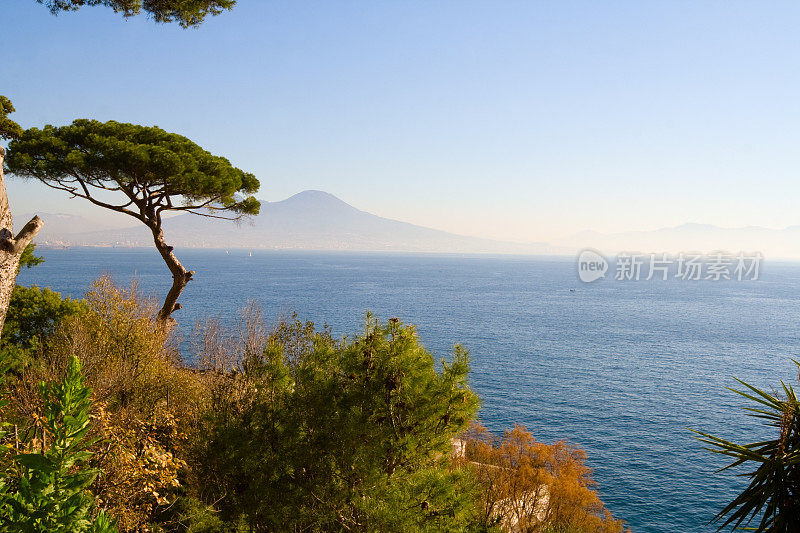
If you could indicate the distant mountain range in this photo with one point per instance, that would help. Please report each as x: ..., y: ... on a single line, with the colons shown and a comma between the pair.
x: 705, y: 238
x: 310, y: 220
x: 316, y: 220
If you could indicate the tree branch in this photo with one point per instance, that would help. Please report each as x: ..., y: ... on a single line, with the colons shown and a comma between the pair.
x: 209, y: 215
x: 86, y: 195
x: 204, y: 205
x: 23, y: 238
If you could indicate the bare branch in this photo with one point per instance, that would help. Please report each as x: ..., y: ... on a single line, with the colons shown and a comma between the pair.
x: 87, y: 196
x: 209, y: 215
x: 23, y: 238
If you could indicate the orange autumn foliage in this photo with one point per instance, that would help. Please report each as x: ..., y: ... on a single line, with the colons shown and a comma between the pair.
x: 139, y: 467
x: 531, y: 487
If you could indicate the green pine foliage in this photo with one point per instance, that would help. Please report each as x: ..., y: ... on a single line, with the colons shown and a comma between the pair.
x: 28, y: 259
x: 140, y: 162
x: 315, y: 433
x: 8, y: 128
x: 140, y: 171
x: 185, y: 12
x: 49, y: 487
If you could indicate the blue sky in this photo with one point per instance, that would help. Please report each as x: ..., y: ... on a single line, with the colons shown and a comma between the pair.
x: 513, y: 120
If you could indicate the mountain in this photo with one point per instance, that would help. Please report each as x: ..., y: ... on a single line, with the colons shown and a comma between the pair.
x: 316, y: 220
x: 310, y: 220
x: 62, y: 227
x: 692, y: 237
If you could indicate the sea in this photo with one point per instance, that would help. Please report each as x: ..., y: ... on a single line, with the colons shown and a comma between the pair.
x: 622, y: 369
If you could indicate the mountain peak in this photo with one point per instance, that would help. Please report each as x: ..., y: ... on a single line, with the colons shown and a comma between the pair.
x: 313, y: 193
x: 308, y: 220
x: 314, y: 199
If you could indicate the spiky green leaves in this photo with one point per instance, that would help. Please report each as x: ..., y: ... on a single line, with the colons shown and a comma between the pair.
x: 772, y: 499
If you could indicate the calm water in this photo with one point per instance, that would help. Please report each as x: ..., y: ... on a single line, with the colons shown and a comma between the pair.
x: 620, y: 368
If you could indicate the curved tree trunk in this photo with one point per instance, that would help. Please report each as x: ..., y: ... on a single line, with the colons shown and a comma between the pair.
x: 11, y: 247
x: 180, y: 276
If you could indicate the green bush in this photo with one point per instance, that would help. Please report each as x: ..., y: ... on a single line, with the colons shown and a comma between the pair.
x: 314, y: 433
x: 33, y: 315
x: 145, y: 400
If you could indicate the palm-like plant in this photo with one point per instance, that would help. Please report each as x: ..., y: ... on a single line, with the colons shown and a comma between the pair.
x: 774, y: 490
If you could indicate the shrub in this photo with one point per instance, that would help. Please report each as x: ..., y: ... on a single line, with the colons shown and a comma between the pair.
x: 128, y: 357
x: 33, y: 315
x: 146, y: 400
x: 141, y: 467
x: 286, y: 430
x: 534, y: 487
x: 311, y: 432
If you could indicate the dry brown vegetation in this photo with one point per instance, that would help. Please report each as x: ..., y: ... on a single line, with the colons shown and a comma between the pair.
x: 532, y: 487
x: 178, y: 446
x: 145, y: 400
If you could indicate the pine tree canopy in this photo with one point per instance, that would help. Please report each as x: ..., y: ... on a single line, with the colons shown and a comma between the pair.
x: 141, y: 171
x: 151, y: 170
x: 185, y: 12
x: 8, y: 128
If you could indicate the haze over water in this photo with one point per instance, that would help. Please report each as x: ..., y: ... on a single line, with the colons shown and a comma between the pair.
x: 619, y: 368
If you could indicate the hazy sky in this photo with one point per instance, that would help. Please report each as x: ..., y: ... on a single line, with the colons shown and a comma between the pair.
x: 514, y: 120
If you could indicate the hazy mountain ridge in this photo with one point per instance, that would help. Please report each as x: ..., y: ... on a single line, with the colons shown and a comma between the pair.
x: 694, y: 237
x: 316, y: 220
x: 61, y: 226
x: 310, y: 220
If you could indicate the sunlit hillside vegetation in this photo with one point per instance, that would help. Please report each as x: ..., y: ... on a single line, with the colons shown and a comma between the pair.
x: 284, y: 428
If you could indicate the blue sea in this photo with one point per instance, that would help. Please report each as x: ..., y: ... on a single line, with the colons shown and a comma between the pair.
x: 621, y: 369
